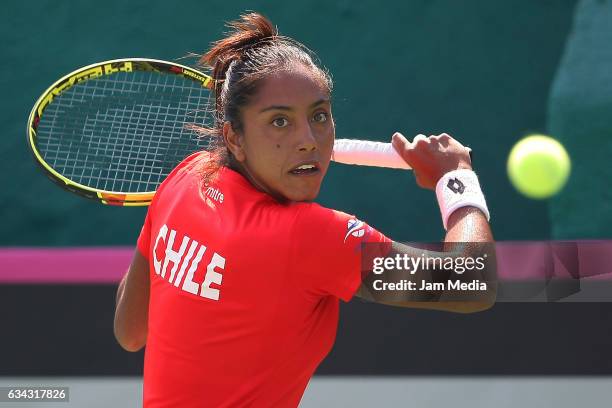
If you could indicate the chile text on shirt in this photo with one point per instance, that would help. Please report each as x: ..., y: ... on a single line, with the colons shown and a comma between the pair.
x: 182, y: 261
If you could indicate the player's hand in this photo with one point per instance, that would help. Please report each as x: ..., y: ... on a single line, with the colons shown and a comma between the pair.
x: 431, y: 157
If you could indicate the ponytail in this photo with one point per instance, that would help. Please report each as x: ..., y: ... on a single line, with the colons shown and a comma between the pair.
x: 250, y: 30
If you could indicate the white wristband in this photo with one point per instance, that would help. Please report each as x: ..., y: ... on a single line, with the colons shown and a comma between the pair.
x: 459, y: 188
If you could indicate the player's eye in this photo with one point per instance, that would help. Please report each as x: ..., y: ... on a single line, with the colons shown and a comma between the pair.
x: 280, y: 122
x: 320, y: 117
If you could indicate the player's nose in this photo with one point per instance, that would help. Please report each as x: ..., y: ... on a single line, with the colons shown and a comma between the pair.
x: 307, y: 140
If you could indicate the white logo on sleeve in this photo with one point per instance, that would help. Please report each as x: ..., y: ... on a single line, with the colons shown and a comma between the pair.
x: 355, y: 228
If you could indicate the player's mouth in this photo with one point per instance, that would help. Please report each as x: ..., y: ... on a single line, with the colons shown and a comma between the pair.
x: 306, y: 169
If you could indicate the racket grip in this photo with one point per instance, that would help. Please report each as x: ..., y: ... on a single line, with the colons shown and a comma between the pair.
x: 367, y: 153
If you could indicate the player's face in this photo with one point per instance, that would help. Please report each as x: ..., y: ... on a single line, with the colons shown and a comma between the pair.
x: 288, y: 135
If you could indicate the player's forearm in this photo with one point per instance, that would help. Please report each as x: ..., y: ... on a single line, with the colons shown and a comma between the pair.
x: 470, y: 225
x: 132, y: 305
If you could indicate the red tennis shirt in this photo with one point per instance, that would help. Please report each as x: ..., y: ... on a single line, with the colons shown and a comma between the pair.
x: 244, y: 290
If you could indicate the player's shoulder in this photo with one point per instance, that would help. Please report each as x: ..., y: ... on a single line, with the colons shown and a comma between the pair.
x: 191, y: 163
x: 327, y: 226
x: 188, y: 168
x: 315, y: 214
x: 315, y: 209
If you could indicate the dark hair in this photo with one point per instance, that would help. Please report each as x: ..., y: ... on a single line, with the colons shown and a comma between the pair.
x: 252, y: 51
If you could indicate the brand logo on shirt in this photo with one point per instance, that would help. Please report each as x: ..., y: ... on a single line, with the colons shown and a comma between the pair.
x: 355, y: 228
x: 215, y: 194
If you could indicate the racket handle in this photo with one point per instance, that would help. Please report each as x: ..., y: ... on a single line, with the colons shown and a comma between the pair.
x: 367, y: 153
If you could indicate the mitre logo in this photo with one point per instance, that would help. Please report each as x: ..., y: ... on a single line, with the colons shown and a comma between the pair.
x: 215, y: 194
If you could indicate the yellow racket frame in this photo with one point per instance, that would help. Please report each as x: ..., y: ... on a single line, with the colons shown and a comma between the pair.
x: 95, y: 71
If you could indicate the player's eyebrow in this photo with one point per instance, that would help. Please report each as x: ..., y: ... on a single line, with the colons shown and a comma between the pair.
x: 289, y: 108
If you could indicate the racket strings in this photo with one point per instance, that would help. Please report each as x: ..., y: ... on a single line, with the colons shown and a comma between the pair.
x: 124, y: 132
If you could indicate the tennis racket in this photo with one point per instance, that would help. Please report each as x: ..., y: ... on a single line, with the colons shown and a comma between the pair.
x: 112, y: 131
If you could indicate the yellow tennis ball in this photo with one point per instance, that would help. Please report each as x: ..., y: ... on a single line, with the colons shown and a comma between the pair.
x: 538, y: 166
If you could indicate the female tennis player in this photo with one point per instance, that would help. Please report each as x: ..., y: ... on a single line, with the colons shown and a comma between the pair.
x: 235, y: 285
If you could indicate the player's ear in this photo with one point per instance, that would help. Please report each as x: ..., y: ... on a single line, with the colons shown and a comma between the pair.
x: 233, y: 140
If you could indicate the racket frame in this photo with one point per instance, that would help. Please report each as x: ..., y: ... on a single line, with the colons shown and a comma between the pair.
x: 97, y: 70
